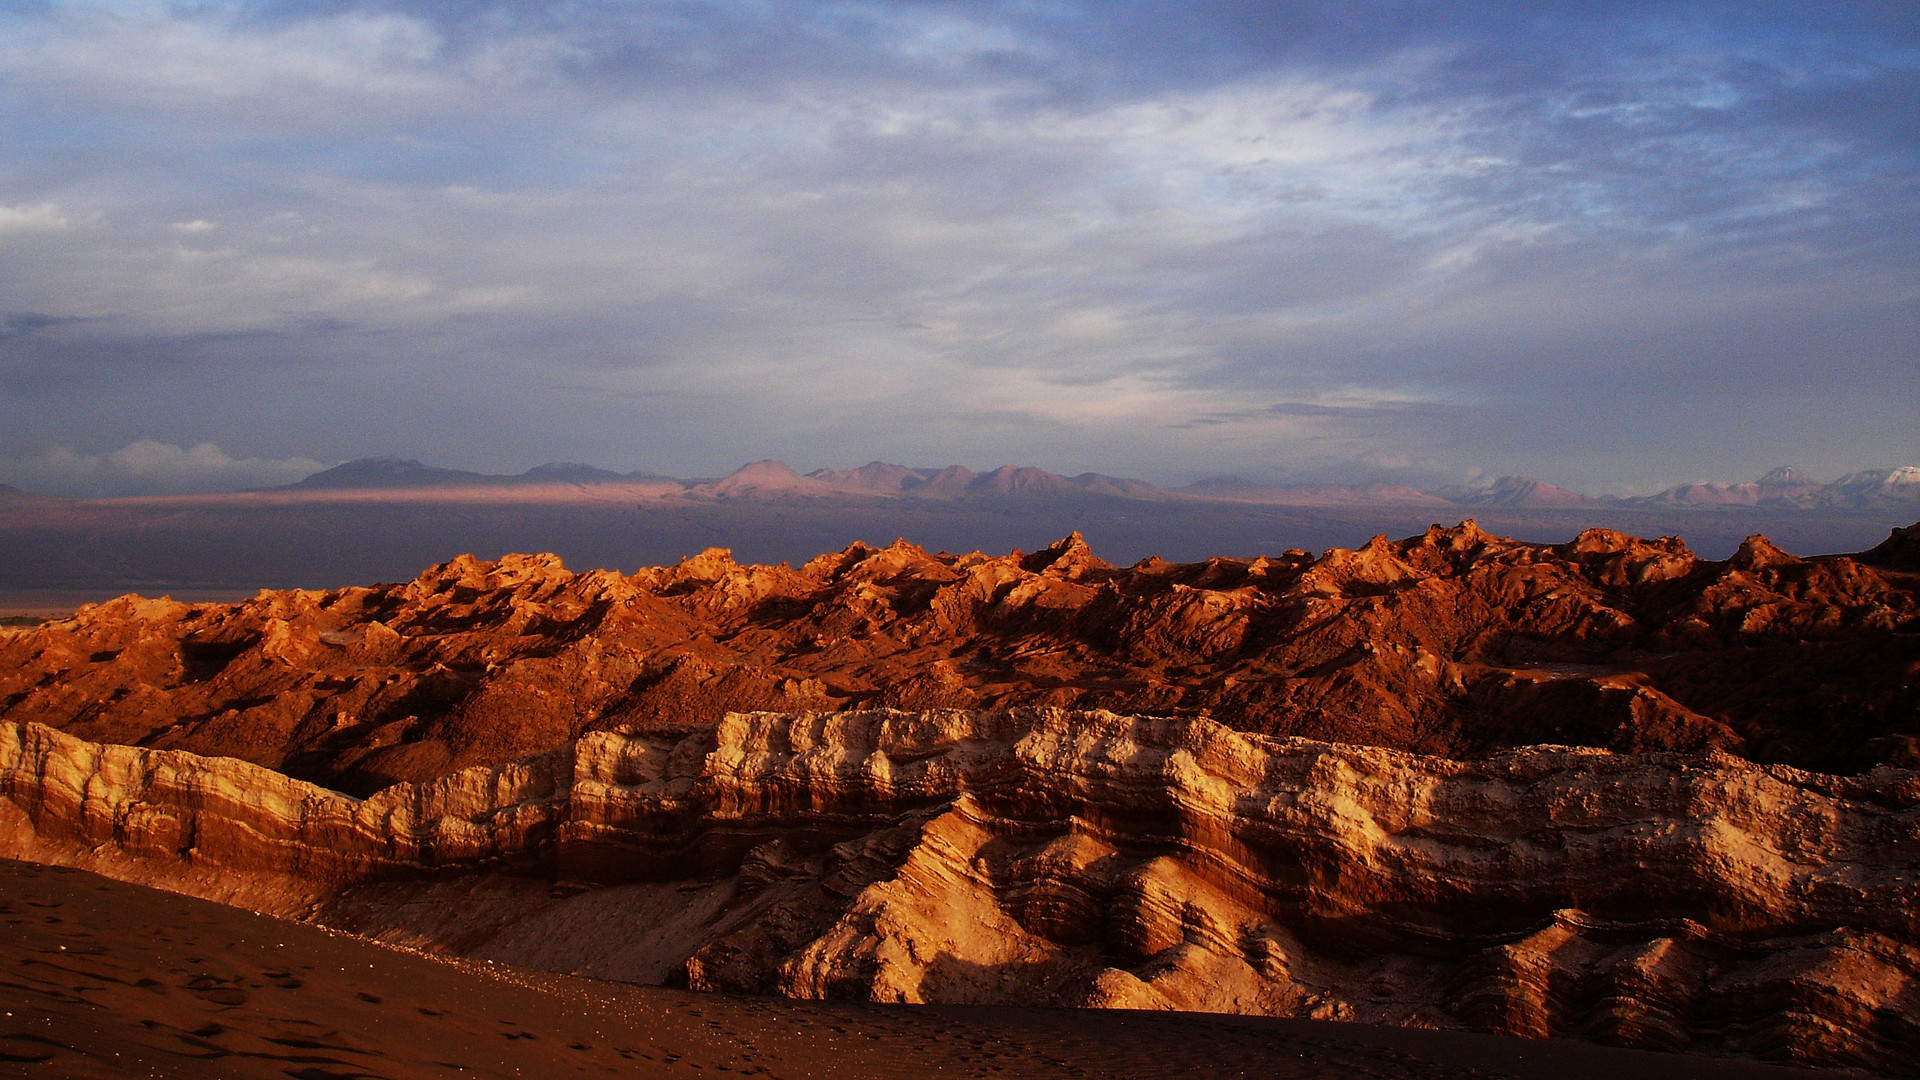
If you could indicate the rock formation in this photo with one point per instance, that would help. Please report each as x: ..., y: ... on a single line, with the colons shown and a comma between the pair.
x: 1602, y: 790
x: 1452, y: 642
x: 1655, y: 900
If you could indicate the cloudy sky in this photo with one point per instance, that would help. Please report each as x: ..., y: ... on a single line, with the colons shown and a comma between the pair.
x: 1613, y: 245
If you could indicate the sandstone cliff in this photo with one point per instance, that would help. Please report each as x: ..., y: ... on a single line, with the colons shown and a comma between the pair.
x: 1646, y: 899
x: 1453, y: 642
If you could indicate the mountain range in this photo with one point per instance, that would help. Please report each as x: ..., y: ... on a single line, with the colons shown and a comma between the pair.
x: 1784, y: 488
x: 378, y: 519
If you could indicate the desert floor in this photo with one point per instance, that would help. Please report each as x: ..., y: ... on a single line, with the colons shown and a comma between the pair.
x: 104, y: 979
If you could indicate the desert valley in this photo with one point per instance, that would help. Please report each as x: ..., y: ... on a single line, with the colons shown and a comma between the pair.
x: 1388, y: 546
x: 1603, y: 790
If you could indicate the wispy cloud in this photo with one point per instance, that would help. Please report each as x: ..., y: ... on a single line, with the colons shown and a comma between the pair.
x: 146, y: 466
x: 41, y: 217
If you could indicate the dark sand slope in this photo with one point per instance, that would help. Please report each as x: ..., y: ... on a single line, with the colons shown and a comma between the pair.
x: 104, y: 979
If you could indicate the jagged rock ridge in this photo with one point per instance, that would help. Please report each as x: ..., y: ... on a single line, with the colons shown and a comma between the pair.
x: 1653, y: 900
x: 1452, y: 642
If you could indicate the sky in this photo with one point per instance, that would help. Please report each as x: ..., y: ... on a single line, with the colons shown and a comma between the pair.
x: 1616, y: 246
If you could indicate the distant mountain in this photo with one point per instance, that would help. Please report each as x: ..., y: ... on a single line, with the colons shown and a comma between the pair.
x: 386, y: 473
x: 949, y: 482
x: 13, y: 496
x: 1703, y: 495
x: 392, y: 473
x: 762, y: 478
x: 899, y: 481
x: 1779, y: 487
x: 1782, y: 488
x: 1238, y: 489
x: 759, y: 479
x: 1119, y: 487
x: 1018, y: 480
x: 1529, y: 493
x: 881, y: 478
x: 1224, y: 486
x: 1788, y: 476
x: 568, y: 472
x: 875, y: 478
x: 1871, y: 489
x: 1026, y: 480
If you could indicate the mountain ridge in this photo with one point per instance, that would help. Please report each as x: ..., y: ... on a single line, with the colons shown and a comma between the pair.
x: 396, y: 473
x: 1784, y: 487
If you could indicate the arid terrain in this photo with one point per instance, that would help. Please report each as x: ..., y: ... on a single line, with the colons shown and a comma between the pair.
x: 110, y: 980
x: 997, y: 540
x: 1601, y: 790
x: 1452, y: 642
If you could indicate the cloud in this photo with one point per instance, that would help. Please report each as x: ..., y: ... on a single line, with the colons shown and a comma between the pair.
x: 148, y: 467
x: 1127, y: 236
x: 41, y: 217
x: 1352, y: 404
x: 170, y: 57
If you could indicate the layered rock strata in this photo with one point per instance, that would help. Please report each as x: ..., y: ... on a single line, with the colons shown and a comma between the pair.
x: 1045, y: 856
x: 1453, y: 642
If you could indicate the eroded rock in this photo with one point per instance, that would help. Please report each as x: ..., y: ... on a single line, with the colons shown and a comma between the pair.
x: 1659, y: 900
x: 1454, y: 642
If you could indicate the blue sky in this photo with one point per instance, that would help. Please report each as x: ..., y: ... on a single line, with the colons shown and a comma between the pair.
x: 1617, y: 246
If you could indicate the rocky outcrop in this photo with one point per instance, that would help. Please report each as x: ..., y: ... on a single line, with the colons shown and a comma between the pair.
x: 1899, y: 551
x: 1452, y: 642
x: 1046, y: 856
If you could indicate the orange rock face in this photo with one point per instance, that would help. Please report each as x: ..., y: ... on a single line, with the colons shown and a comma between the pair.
x: 1042, y: 856
x: 1453, y: 642
x: 1292, y: 785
